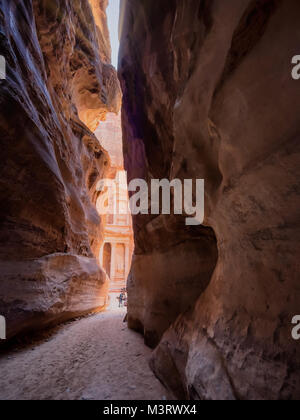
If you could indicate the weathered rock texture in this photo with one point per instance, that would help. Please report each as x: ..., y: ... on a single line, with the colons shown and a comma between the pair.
x: 109, y: 134
x: 208, y: 94
x: 59, y: 85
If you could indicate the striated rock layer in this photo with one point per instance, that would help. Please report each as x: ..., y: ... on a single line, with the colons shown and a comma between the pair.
x: 208, y: 94
x: 59, y: 85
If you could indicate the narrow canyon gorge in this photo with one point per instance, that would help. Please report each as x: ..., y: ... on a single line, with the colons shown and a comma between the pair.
x: 205, y: 91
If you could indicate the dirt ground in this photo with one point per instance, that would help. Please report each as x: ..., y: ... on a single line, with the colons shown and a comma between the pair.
x: 94, y: 358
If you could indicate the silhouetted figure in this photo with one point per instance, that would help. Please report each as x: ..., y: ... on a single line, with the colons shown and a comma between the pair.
x: 120, y: 298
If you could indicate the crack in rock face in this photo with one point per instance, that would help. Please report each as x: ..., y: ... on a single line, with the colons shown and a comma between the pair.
x: 59, y: 85
x: 208, y: 94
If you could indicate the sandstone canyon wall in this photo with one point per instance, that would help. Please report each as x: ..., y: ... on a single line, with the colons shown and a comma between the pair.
x: 208, y: 93
x: 59, y: 85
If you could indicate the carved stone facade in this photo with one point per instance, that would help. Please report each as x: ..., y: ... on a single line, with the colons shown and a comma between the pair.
x: 116, y: 251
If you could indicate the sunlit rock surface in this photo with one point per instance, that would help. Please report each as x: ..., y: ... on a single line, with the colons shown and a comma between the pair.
x: 208, y: 94
x: 116, y: 251
x: 109, y: 134
x: 59, y: 86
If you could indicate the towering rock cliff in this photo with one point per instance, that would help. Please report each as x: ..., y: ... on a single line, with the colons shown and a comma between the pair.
x: 208, y: 94
x: 59, y: 85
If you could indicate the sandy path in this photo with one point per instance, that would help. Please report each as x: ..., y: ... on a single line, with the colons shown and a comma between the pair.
x: 93, y: 358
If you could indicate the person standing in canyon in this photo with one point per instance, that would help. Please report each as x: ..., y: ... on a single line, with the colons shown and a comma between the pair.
x: 120, y: 299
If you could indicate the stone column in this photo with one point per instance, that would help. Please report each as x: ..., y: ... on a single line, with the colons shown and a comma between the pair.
x: 101, y: 256
x: 113, y: 261
x: 126, y: 261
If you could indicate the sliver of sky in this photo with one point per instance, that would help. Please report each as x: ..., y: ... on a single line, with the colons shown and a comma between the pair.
x: 113, y: 11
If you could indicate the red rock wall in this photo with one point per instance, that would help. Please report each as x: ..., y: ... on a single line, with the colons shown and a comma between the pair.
x: 208, y: 93
x: 109, y: 134
x: 59, y: 85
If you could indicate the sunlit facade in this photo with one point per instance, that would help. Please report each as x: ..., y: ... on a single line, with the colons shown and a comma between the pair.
x: 117, y: 248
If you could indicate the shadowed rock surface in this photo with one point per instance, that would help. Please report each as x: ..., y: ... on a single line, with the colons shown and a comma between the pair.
x: 59, y: 85
x: 208, y: 94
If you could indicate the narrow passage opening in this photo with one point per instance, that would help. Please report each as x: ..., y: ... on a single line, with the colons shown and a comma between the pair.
x: 117, y: 248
